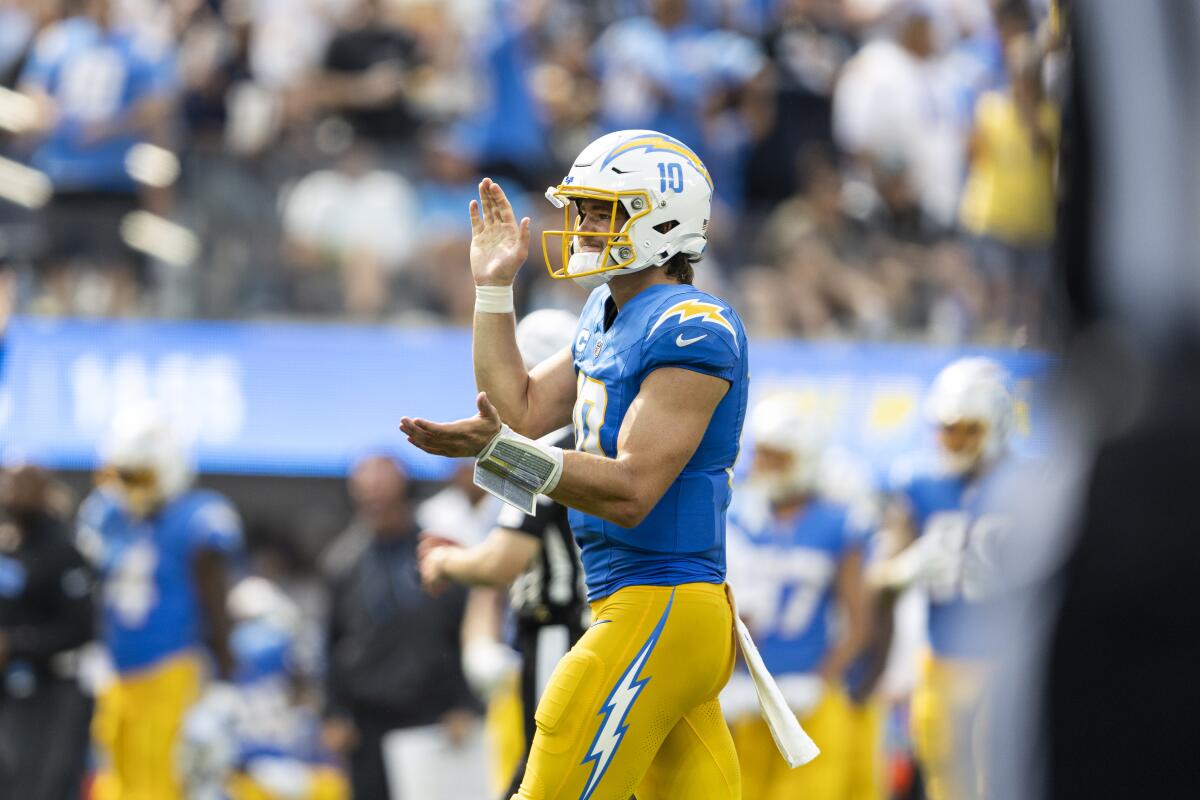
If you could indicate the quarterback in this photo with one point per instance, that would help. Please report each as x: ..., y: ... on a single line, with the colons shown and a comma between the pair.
x: 655, y: 384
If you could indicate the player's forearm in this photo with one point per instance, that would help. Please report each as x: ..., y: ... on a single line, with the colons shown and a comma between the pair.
x: 610, y: 488
x: 475, y: 567
x: 499, y: 369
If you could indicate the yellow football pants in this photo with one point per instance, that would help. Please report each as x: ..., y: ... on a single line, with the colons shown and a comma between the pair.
x: 504, y: 728
x: 325, y: 783
x: 137, y: 726
x: 865, y: 762
x: 633, y: 705
x: 766, y: 776
x: 946, y: 727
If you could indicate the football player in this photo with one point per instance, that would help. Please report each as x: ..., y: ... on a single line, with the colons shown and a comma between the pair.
x: 163, y: 552
x: 259, y: 739
x: 655, y: 383
x: 534, y: 554
x: 940, y: 534
x: 796, y: 566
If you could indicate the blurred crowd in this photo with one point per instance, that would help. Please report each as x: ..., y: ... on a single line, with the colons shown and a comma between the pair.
x: 883, y: 168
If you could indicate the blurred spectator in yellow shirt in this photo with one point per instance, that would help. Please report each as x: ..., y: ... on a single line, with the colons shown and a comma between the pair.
x: 1008, y: 202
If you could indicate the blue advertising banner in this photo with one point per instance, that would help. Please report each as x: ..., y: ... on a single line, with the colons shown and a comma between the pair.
x: 303, y: 399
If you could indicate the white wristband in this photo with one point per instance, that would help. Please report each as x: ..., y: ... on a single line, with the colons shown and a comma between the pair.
x: 494, y: 299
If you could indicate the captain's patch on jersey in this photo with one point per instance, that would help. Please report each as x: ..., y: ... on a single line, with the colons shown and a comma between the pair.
x: 695, y: 309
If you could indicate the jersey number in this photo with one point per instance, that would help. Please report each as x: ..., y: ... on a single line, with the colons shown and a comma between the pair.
x: 591, y: 404
x: 803, y: 578
x: 670, y: 176
x: 965, y: 550
x: 131, y: 591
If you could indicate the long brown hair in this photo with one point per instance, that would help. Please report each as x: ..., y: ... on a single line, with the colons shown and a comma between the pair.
x: 680, y: 268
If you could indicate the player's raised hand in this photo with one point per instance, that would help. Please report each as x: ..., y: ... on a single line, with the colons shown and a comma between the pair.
x: 499, y: 243
x: 464, y: 438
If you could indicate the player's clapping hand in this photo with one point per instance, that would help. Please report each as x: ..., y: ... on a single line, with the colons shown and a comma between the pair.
x: 499, y: 244
x: 464, y: 438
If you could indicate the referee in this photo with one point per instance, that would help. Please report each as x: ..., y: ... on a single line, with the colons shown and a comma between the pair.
x: 536, y: 554
x: 45, y: 617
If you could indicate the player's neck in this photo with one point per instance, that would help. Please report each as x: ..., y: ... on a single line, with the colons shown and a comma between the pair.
x: 626, y: 287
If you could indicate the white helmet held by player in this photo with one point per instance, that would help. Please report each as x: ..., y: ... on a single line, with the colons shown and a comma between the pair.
x: 541, y: 334
x: 664, y: 189
x: 972, y: 392
x: 144, y: 460
x: 789, y: 446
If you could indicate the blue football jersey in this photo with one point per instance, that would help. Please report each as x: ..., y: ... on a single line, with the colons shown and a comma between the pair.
x: 151, y: 610
x: 96, y: 77
x: 682, y: 539
x: 958, y: 515
x: 270, y: 723
x: 787, y: 575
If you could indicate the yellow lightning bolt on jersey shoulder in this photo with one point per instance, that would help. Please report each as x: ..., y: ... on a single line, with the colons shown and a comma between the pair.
x: 695, y: 309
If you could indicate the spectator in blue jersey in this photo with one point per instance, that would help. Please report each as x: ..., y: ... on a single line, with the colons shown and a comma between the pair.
x: 99, y: 91
x: 163, y: 550
x: 666, y: 72
x: 507, y: 129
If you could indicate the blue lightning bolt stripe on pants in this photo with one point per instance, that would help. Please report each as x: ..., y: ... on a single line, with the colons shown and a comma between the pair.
x: 632, y: 708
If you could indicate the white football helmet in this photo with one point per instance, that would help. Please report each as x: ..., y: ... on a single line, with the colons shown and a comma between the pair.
x: 143, y: 460
x: 543, y: 333
x: 778, y: 423
x: 254, y: 598
x: 973, y: 390
x: 663, y: 187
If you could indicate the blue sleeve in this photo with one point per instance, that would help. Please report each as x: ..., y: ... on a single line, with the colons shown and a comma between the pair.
x: 215, y: 525
x: 696, y: 346
x: 43, y: 60
x: 151, y: 77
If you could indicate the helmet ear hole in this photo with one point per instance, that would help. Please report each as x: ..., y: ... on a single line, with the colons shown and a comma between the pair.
x: 663, y: 227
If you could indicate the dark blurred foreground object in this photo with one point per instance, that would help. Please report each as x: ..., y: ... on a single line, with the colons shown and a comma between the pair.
x: 1124, y: 655
x: 46, y: 615
x: 1121, y: 695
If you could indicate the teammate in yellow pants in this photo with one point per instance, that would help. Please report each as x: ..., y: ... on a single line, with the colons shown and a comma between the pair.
x: 865, y: 757
x: 137, y: 724
x: 162, y: 550
x: 944, y: 531
x: 796, y: 565
x: 946, y: 726
x: 324, y: 783
x: 766, y: 776
x: 633, y: 706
